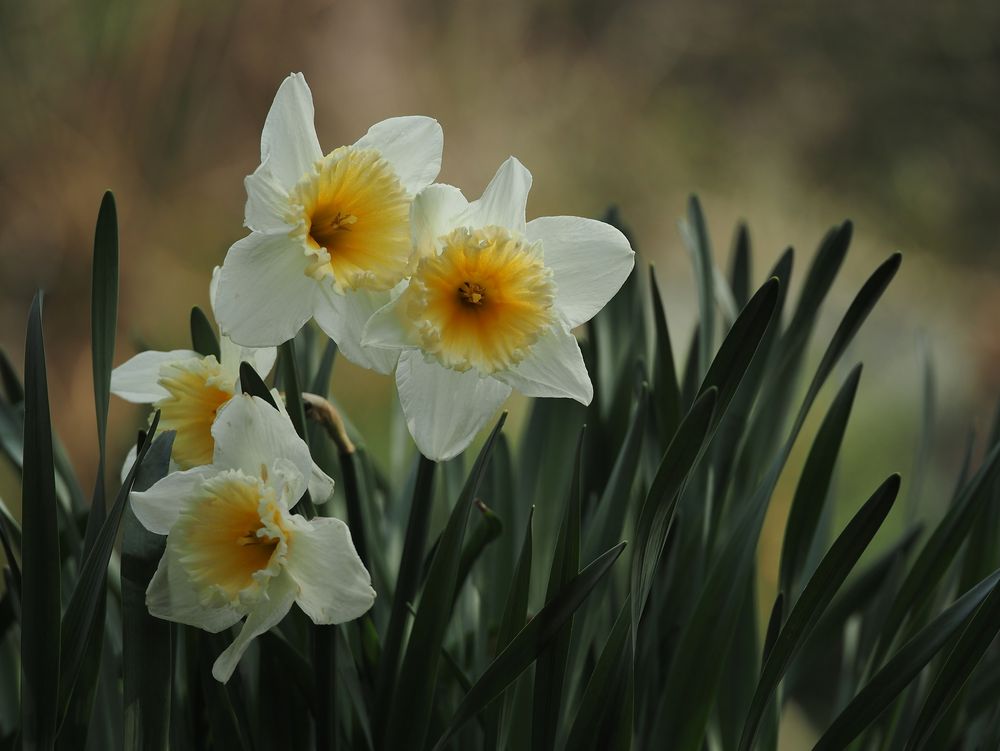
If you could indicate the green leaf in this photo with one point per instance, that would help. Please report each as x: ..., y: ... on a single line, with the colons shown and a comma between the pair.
x: 814, y: 487
x: 252, y: 384
x: 902, y: 668
x: 740, y: 345
x: 203, y: 338
x: 597, y: 697
x: 529, y: 643
x: 104, y: 317
x: 608, y: 517
x: 666, y: 389
x: 410, y: 716
x: 40, y: 600
x: 12, y: 387
x: 956, y: 669
x: 829, y: 576
x: 695, y: 235
x: 515, y: 614
x: 739, y: 268
x: 89, y: 591
x: 550, y: 670
x: 935, y: 557
x: 407, y: 581
x: 321, y: 380
x: 147, y: 659
x: 658, y: 507
x: 104, y: 314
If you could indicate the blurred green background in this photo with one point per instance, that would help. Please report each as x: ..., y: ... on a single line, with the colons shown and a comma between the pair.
x: 790, y: 115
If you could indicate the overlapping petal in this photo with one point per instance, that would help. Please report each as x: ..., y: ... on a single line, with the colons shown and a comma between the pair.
x: 288, y: 144
x: 343, y: 318
x: 265, y: 295
x: 505, y: 199
x: 553, y: 368
x: 321, y: 546
x: 411, y: 144
x: 590, y: 261
x: 135, y: 380
x: 444, y: 409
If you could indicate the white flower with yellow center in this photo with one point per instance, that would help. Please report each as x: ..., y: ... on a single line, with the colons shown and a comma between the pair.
x: 491, y: 305
x: 330, y: 234
x: 235, y: 551
x: 188, y: 389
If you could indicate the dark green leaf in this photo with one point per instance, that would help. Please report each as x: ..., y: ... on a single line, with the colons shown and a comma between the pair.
x: 829, y: 576
x: 203, y: 338
x: 409, y: 718
x: 40, y: 601
x: 696, y: 236
x: 903, y: 667
x: 407, y: 581
x: 12, y: 388
x: 321, y: 380
x: 814, y: 487
x: 90, y: 586
x: 956, y: 669
x: 666, y: 389
x: 740, y: 264
x: 147, y: 659
x: 550, y: 670
x: 529, y: 643
x: 658, y: 508
x: 936, y: 555
x: 252, y: 384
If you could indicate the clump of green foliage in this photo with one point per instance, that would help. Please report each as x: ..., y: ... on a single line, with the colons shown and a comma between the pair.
x: 511, y: 612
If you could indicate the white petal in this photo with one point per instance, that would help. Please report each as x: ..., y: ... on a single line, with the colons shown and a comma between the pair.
x: 136, y: 380
x: 320, y: 485
x: 343, y: 318
x: 412, y: 145
x: 260, y: 358
x: 444, y: 409
x: 436, y: 211
x: 388, y: 329
x: 505, y: 199
x: 554, y: 367
x: 266, y: 614
x: 267, y: 203
x: 129, y: 461
x: 590, y: 261
x: 334, y: 585
x: 264, y: 295
x: 170, y: 596
x: 288, y: 144
x: 250, y: 433
x: 157, y: 508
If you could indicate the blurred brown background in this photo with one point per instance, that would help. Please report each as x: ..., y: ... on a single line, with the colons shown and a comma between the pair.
x: 791, y: 115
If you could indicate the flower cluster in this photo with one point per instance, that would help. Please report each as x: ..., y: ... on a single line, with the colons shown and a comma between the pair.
x: 464, y: 301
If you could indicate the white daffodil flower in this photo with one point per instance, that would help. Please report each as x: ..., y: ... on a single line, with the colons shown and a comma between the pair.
x: 189, y: 390
x: 330, y: 235
x: 233, y: 548
x: 491, y: 305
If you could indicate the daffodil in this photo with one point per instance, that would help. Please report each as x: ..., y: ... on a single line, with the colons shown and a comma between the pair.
x: 234, y: 550
x: 330, y: 235
x: 189, y: 389
x: 491, y: 305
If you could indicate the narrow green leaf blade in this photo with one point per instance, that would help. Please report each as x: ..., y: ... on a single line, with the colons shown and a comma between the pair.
x: 203, y: 338
x: 147, y: 659
x: 956, y: 669
x: 822, y: 586
x: 550, y: 670
x: 410, y: 716
x: 814, y: 486
x: 902, y: 668
x: 40, y: 600
x: 529, y: 643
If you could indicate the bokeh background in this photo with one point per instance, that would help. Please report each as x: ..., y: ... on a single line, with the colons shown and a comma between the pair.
x: 789, y: 115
